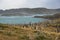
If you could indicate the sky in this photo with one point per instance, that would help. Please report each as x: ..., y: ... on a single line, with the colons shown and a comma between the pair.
x: 10, y: 4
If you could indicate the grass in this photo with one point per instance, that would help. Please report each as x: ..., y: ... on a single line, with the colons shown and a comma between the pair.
x: 46, y: 31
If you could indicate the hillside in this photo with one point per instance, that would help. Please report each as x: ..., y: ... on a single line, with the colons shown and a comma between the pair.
x: 48, y: 30
x: 28, y: 11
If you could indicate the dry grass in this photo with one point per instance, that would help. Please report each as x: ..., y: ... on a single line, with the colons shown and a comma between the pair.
x: 18, y: 32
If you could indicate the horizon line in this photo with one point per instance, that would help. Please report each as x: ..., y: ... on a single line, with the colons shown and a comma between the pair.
x: 29, y: 8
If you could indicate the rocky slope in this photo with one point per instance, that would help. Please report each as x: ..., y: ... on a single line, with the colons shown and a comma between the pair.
x: 27, y: 11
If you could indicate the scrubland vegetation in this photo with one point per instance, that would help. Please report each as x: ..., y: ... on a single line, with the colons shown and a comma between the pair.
x: 48, y: 30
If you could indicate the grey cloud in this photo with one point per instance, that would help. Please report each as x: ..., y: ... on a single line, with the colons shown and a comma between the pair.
x: 8, y: 4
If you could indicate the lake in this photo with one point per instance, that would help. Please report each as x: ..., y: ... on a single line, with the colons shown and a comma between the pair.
x: 19, y: 19
x: 22, y: 19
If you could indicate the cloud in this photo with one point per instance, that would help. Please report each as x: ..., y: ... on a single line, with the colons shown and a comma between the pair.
x: 36, y: 3
x: 53, y: 4
x: 43, y: 3
x: 9, y: 4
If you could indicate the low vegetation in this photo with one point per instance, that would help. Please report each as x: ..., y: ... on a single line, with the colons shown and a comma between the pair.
x: 49, y: 30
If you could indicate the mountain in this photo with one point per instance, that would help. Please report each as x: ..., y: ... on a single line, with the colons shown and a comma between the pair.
x: 28, y: 11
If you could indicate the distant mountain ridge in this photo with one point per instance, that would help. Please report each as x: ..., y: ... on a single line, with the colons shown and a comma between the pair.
x: 28, y: 11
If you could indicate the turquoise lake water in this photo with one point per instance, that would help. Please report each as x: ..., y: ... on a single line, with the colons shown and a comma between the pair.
x: 22, y: 19
x: 19, y: 20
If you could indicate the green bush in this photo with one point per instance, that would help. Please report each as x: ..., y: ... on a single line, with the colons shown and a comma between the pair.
x: 2, y: 26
